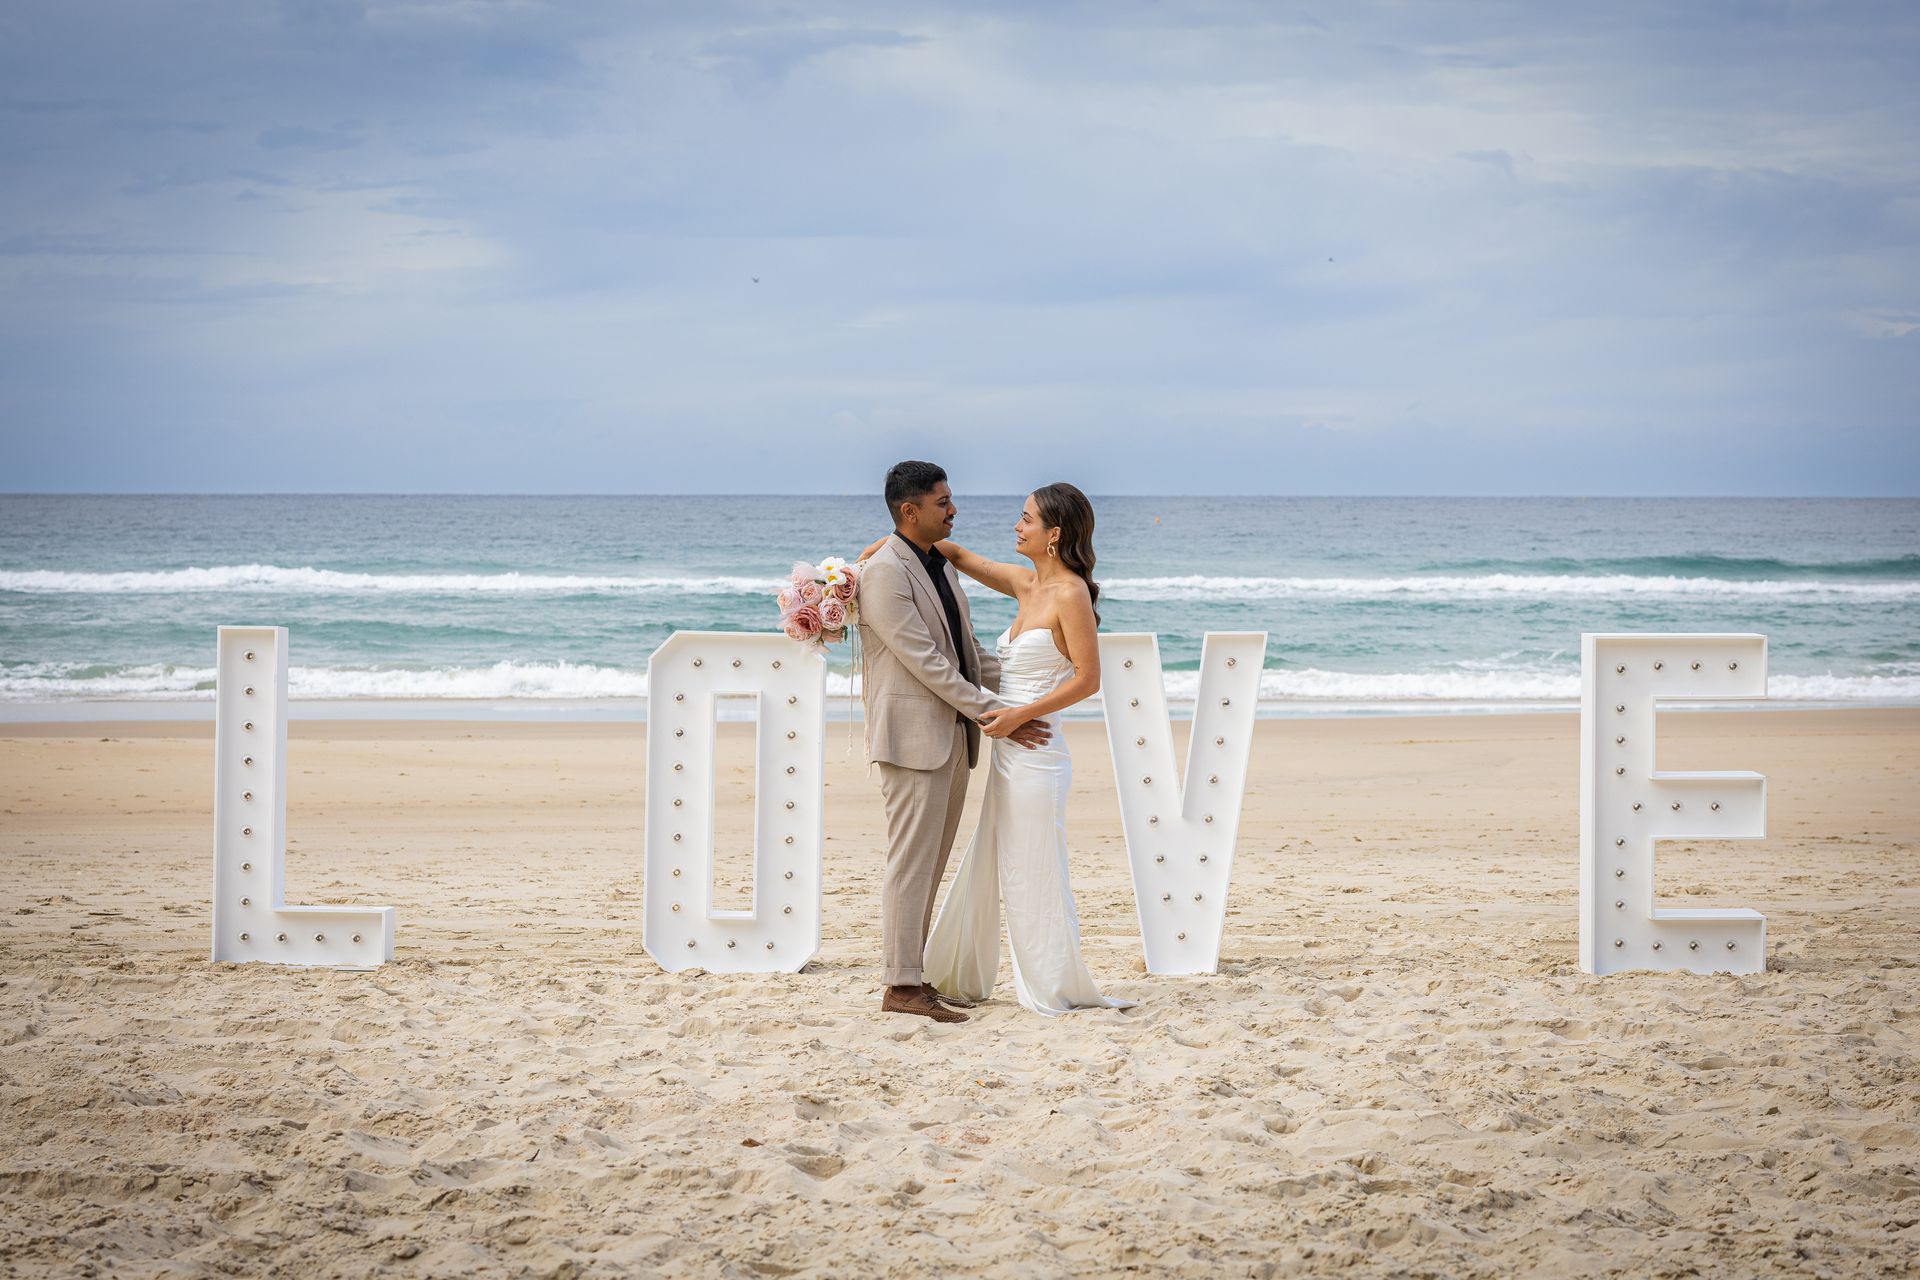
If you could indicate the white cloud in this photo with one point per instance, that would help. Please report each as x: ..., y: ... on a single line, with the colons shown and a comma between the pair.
x: 1415, y: 244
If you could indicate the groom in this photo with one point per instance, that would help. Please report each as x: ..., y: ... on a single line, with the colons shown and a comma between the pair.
x: 924, y: 681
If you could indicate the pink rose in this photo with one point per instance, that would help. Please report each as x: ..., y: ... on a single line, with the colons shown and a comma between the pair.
x: 804, y: 623
x: 833, y: 614
x: 843, y: 591
x: 811, y: 592
x: 787, y: 600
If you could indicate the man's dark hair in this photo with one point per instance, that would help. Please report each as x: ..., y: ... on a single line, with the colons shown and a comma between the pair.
x: 910, y: 482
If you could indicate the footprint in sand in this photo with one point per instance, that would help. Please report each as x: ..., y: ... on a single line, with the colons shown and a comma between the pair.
x: 815, y: 1162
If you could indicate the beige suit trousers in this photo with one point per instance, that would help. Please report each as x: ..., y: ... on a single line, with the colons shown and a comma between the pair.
x: 923, y: 815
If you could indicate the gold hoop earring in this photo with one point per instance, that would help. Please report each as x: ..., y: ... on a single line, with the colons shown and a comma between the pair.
x: 1053, y: 549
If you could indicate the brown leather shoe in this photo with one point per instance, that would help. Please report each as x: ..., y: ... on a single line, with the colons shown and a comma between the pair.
x: 952, y: 1002
x: 917, y: 1001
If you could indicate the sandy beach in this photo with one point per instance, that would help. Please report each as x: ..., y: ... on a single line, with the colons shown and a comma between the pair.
x: 1397, y: 1071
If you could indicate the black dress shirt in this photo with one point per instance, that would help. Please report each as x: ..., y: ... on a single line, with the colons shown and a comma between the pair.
x: 936, y: 566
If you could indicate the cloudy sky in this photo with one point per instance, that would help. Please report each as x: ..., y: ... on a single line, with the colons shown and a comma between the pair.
x: 713, y: 247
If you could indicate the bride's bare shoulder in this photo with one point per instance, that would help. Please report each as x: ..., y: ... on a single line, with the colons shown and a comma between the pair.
x: 1069, y: 588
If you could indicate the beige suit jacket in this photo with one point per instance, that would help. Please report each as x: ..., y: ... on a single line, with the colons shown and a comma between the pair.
x: 911, y: 682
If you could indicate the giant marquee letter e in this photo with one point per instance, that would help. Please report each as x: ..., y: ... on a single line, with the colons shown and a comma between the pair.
x: 1627, y: 805
x: 1180, y: 837
x: 250, y: 919
x: 788, y: 684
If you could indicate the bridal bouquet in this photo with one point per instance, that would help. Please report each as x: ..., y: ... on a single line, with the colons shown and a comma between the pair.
x: 817, y: 605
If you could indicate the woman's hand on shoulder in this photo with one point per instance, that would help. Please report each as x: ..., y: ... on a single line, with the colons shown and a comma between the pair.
x: 873, y: 549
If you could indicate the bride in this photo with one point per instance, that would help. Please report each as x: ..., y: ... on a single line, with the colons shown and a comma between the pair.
x: 1049, y: 660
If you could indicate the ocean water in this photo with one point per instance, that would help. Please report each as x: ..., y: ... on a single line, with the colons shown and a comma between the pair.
x: 1371, y: 603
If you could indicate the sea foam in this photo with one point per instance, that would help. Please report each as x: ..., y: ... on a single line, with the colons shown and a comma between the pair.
x: 267, y: 578
x: 561, y: 681
x: 1492, y: 586
x: 279, y: 580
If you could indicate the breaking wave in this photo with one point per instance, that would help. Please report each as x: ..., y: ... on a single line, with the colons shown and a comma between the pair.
x: 275, y: 579
x: 561, y: 681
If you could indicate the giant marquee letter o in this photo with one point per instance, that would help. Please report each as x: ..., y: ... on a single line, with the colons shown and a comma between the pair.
x: 781, y: 931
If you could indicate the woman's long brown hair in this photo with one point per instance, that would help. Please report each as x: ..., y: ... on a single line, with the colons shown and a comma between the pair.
x: 1065, y: 508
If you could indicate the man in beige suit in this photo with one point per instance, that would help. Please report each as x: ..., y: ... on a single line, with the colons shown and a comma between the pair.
x: 924, y: 681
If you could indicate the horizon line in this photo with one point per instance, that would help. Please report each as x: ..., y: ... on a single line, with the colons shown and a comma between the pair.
x: 399, y: 493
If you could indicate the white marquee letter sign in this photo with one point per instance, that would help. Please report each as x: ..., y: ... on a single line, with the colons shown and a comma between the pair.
x: 250, y: 919
x: 1627, y: 804
x: 781, y: 931
x: 1180, y: 837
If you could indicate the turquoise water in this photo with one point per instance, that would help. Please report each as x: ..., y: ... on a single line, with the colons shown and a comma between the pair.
x: 1368, y: 601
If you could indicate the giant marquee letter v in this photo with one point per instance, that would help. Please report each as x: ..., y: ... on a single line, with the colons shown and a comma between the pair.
x: 1180, y: 837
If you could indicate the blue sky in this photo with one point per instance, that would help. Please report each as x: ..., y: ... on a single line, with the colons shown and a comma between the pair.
x: 1358, y: 248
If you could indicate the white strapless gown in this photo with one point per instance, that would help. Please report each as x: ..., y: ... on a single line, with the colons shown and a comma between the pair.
x: 1018, y: 855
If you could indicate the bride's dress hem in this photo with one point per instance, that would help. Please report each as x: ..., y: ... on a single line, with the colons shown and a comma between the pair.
x: 1018, y: 855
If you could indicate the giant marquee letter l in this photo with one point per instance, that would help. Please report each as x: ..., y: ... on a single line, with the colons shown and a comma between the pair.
x: 1627, y: 805
x: 1180, y: 838
x: 250, y: 919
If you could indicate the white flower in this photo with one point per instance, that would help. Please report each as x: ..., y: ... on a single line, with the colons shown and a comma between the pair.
x: 833, y: 571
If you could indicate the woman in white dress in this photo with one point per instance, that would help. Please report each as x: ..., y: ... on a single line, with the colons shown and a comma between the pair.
x: 1049, y: 660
